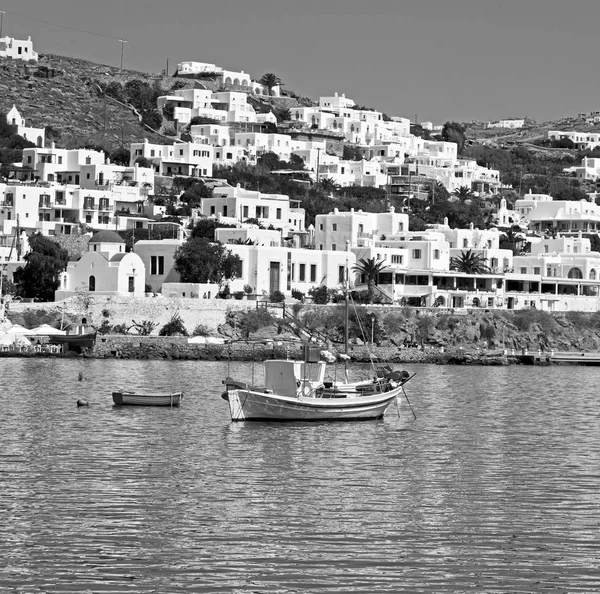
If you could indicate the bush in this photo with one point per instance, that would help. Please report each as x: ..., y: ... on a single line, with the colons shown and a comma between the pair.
x: 201, y: 330
x: 296, y: 294
x: 104, y: 328
x: 144, y: 328
x: 119, y: 329
x: 238, y: 294
x: 253, y: 320
x: 174, y: 327
x: 277, y: 297
x: 319, y: 295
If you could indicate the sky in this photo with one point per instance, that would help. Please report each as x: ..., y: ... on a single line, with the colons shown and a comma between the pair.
x: 427, y: 60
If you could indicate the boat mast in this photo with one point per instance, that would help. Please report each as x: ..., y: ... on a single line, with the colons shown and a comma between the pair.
x: 347, y: 275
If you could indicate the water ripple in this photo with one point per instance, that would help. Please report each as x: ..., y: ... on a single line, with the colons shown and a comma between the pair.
x: 495, y: 488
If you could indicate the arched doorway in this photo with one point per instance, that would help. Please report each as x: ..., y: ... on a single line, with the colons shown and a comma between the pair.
x: 575, y: 273
x: 92, y: 283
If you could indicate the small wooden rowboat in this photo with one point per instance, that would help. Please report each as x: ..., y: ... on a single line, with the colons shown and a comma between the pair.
x: 124, y: 397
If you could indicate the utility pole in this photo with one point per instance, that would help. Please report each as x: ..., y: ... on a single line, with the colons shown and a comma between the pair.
x: 318, y: 160
x: 2, y: 13
x: 123, y: 42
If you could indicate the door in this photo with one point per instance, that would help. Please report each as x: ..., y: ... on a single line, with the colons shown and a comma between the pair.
x: 274, y: 277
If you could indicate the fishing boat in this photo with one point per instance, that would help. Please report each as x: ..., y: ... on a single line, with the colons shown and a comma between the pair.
x: 299, y: 391
x: 74, y: 341
x: 124, y: 397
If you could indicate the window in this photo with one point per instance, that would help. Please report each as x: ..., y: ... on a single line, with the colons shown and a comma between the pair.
x: 523, y: 270
x: 397, y: 259
x: 92, y: 283
x: 416, y: 254
x: 436, y: 254
x: 302, y: 276
x: 334, y: 247
x: 536, y: 270
x: 245, y: 212
x: 321, y: 227
x: 131, y: 286
x: 225, y: 210
x: 341, y: 274
x: 313, y: 273
x: 465, y: 243
x: 334, y: 227
x: 88, y: 218
x: 212, y: 210
x: 157, y: 264
x: 278, y: 213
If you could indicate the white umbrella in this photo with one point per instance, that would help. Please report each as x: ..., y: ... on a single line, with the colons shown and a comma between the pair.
x: 6, y: 339
x: 18, y: 329
x: 47, y: 330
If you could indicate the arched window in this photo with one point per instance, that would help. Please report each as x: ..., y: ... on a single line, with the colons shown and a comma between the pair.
x: 592, y: 274
x: 575, y: 273
x: 92, y: 283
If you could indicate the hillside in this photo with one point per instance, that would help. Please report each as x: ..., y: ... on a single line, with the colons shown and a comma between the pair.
x: 59, y: 92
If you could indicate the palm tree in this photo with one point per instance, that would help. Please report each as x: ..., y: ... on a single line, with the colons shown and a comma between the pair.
x: 270, y: 81
x: 513, y: 235
x: 463, y: 193
x: 328, y: 185
x: 370, y: 269
x: 469, y: 262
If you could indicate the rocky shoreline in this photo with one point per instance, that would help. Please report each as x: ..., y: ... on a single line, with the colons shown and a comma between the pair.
x: 180, y: 349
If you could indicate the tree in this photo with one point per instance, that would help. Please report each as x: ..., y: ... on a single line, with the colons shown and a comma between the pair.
x: 144, y: 162
x: 328, y: 185
x: 370, y: 268
x: 454, y: 132
x: 270, y: 81
x: 43, y: 265
x: 201, y: 261
x: 469, y: 262
x: 463, y: 193
x: 206, y: 227
x: 120, y: 156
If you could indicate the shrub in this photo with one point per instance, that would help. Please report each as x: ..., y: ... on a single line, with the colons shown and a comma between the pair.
x: 238, y: 294
x: 104, y: 328
x: 487, y: 332
x: 319, y: 295
x: 277, y: 297
x: 144, y: 328
x: 174, y: 327
x: 119, y: 329
x: 296, y: 294
x: 201, y: 330
x: 253, y: 320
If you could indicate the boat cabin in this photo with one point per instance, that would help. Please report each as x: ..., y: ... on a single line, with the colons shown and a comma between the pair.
x: 288, y: 378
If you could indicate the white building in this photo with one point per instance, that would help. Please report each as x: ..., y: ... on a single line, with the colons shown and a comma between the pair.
x: 17, y: 49
x: 180, y: 158
x: 512, y: 123
x: 105, y: 269
x: 35, y: 135
x: 236, y: 205
x: 58, y: 165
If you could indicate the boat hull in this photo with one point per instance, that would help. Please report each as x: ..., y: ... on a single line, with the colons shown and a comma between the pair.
x: 247, y: 405
x: 80, y: 341
x: 132, y: 399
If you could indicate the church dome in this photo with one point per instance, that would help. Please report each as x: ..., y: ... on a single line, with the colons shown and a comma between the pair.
x: 106, y: 236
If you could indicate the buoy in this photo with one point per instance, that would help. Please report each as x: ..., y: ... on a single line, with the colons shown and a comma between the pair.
x: 83, y: 403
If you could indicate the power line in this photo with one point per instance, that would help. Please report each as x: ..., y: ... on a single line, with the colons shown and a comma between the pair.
x: 60, y: 26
